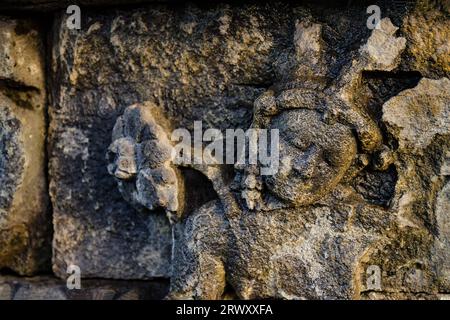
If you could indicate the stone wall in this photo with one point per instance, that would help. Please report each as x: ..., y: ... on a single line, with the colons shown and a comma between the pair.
x: 359, y: 207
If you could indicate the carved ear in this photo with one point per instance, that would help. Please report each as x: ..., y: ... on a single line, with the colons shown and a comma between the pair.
x: 353, y: 115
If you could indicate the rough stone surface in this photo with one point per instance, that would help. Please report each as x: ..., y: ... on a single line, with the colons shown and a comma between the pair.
x: 51, y: 5
x: 427, y: 31
x: 419, y: 119
x: 25, y: 223
x: 442, y: 255
x: 416, y: 116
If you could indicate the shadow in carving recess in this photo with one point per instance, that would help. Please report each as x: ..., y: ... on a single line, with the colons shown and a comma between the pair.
x: 199, y: 190
x: 377, y: 187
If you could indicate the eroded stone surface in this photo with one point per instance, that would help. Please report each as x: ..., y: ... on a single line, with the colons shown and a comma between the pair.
x: 427, y: 31
x: 442, y: 255
x: 50, y: 5
x: 418, y: 119
x: 417, y: 115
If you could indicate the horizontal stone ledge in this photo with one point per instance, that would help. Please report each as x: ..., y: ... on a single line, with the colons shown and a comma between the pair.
x: 52, y: 288
x: 50, y: 5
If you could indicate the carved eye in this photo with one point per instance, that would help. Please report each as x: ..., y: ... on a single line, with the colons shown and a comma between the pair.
x: 301, y: 143
x: 168, y: 176
x: 126, y: 168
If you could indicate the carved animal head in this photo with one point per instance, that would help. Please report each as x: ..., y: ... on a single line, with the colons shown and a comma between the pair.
x: 139, y: 157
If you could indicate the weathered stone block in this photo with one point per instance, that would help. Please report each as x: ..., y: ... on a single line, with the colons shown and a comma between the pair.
x: 25, y: 223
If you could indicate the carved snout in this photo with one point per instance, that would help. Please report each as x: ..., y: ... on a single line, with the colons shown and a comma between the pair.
x: 121, y: 154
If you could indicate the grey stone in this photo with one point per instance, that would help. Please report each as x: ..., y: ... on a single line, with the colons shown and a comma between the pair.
x: 50, y: 5
x: 418, y: 119
x: 140, y: 158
